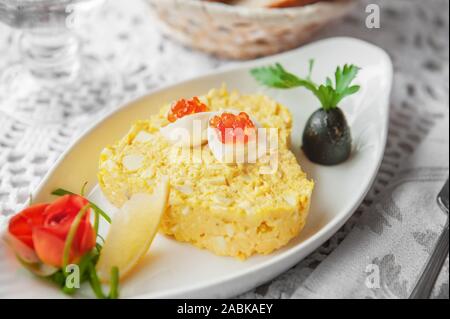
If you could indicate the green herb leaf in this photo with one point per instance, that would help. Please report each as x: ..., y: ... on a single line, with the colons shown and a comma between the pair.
x: 58, y: 278
x: 277, y: 77
x: 114, y: 283
x: 62, y: 192
x: 83, y: 189
x: 71, y: 235
x: 84, y: 265
x: 344, y: 78
x: 98, y: 247
x: 96, y: 222
x: 95, y: 282
x: 328, y: 94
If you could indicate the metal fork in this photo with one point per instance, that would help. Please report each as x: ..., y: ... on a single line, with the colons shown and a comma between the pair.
x: 427, y: 280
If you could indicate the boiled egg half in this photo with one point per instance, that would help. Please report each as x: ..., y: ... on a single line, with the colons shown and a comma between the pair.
x: 233, y: 137
x: 188, y: 123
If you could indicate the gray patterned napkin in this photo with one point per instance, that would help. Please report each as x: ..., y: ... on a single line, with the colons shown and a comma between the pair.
x: 384, y: 254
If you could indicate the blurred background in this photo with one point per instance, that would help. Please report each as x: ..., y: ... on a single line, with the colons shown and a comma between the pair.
x: 92, y: 56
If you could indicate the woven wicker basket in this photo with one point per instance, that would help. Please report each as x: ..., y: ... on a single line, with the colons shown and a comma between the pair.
x: 240, y: 32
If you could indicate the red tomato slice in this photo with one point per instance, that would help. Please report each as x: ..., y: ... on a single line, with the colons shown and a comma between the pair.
x: 21, y: 225
x: 49, y: 247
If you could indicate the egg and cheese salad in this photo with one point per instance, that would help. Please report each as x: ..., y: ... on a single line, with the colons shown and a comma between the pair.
x: 230, y: 209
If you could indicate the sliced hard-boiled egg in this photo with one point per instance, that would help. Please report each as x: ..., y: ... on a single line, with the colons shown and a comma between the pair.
x: 233, y: 137
x: 133, y: 162
x: 189, y: 130
x: 188, y: 123
x: 143, y: 137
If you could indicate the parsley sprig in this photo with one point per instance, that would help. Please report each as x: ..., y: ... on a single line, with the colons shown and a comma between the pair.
x: 329, y: 94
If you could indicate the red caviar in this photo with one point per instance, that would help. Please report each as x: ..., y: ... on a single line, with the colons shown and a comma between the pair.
x: 233, y: 128
x: 185, y: 107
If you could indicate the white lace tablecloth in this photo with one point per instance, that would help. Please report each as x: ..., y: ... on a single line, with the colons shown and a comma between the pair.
x: 415, y: 34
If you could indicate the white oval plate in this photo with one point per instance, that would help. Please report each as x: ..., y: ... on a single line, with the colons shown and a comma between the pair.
x: 177, y: 270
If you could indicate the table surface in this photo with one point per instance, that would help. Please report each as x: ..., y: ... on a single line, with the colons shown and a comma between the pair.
x: 415, y: 33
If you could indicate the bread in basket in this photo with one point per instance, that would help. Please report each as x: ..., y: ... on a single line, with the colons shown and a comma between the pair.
x: 242, y: 32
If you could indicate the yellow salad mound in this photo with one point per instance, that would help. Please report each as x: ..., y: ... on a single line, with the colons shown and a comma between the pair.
x: 229, y: 209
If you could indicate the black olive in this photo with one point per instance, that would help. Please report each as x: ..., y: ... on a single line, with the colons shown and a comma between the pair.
x: 327, y: 139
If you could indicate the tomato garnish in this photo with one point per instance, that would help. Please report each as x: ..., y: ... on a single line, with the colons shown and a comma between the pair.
x: 233, y: 127
x: 185, y: 107
x: 44, y: 229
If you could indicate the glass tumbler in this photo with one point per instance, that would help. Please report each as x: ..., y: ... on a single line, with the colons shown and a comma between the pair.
x: 49, y: 79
